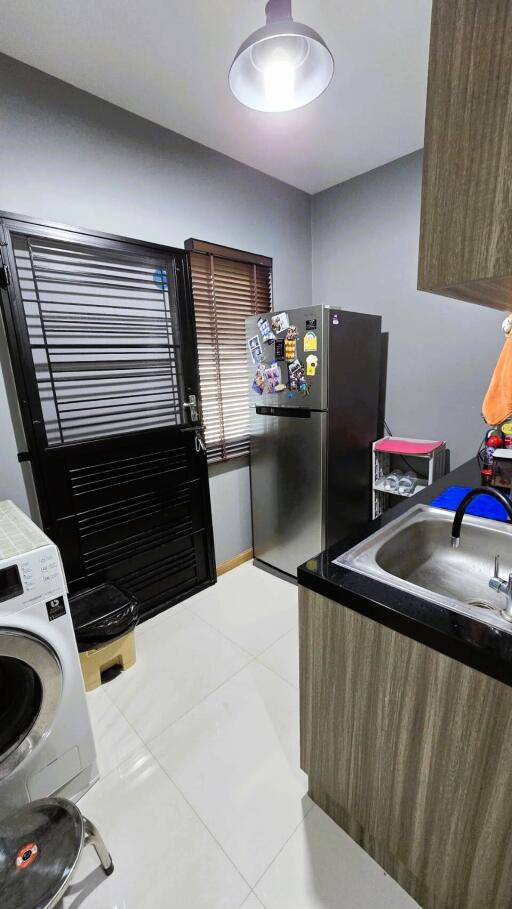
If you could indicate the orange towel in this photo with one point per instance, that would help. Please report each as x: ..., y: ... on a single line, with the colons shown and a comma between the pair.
x: 497, y: 404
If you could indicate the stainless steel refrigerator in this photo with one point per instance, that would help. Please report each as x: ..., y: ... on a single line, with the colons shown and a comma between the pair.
x: 314, y: 396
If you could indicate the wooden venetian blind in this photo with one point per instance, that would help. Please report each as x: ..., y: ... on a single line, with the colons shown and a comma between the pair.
x: 228, y: 286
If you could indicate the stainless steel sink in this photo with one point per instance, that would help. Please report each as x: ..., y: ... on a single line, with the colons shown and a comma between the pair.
x: 414, y: 553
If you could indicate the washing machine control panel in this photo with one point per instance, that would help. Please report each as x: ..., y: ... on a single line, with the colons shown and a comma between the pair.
x: 36, y: 575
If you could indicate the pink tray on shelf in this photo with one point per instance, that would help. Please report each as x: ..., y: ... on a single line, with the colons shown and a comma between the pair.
x: 403, y: 446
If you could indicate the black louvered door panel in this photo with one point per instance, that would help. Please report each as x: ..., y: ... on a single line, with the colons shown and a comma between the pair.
x: 101, y: 337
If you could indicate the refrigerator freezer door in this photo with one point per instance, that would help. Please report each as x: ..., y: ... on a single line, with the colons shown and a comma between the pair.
x: 287, y: 476
x: 309, y: 349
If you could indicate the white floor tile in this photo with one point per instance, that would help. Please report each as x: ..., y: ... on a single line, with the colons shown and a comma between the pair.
x: 235, y: 757
x: 115, y: 739
x: 179, y: 661
x: 163, y: 855
x: 252, y: 902
x: 322, y: 868
x: 283, y: 657
x: 250, y: 606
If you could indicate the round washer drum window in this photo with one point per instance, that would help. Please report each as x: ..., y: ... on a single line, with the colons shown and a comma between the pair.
x: 21, y: 696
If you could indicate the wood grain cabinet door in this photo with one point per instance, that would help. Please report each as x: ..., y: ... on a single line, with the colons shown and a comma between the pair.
x: 466, y: 219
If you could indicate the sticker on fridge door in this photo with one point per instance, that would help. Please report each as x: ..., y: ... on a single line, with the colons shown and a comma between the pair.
x: 310, y: 341
x: 280, y: 322
x: 311, y: 364
x: 310, y: 324
x: 266, y: 332
x: 254, y: 345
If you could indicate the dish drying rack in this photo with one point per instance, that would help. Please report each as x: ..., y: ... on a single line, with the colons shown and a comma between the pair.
x: 431, y: 451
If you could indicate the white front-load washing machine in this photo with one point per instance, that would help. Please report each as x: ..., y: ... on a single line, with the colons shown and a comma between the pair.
x: 46, y: 741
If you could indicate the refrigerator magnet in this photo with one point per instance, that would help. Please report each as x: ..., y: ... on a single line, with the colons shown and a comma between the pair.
x: 310, y: 341
x: 266, y: 332
x: 292, y: 333
x: 258, y: 384
x: 273, y: 377
x: 296, y: 372
x: 256, y: 352
x: 279, y: 349
x: 280, y: 322
x: 311, y: 364
x: 290, y: 349
x: 310, y: 324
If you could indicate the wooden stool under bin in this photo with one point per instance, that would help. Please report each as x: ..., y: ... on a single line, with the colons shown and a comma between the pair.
x: 94, y: 663
x: 104, y: 618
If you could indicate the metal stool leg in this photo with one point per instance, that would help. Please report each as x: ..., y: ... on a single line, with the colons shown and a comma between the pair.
x: 93, y: 837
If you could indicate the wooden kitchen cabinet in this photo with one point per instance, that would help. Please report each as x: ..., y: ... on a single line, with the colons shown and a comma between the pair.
x: 410, y: 752
x: 466, y: 217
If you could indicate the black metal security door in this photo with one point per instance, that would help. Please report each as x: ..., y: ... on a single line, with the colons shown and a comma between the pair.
x: 101, y: 336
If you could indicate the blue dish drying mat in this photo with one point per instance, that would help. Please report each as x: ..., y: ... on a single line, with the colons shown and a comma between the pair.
x: 483, y: 506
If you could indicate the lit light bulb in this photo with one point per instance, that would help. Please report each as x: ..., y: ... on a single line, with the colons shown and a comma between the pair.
x: 279, y: 78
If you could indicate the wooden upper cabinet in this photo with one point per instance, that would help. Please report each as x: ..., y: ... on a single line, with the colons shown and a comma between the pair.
x: 466, y: 217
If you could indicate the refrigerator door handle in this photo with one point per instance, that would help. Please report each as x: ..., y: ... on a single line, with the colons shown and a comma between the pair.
x: 283, y: 412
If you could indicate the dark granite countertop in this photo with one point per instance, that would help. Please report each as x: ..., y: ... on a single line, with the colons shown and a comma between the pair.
x: 481, y: 646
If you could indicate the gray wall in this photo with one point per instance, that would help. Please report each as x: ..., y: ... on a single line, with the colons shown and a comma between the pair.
x: 68, y: 156
x: 441, y: 352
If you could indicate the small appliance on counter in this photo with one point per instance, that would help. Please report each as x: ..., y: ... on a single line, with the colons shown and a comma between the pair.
x: 314, y: 395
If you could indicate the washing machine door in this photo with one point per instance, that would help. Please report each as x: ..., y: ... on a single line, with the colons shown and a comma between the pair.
x: 30, y: 692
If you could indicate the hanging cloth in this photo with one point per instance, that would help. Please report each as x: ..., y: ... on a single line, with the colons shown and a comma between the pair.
x: 497, y: 405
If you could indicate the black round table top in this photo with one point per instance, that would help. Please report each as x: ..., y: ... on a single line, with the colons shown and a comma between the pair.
x: 39, y: 848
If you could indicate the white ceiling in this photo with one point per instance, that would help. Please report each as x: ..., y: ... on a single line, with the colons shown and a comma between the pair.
x: 168, y: 60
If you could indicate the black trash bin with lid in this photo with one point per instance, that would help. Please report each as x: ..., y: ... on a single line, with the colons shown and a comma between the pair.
x: 101, y: 614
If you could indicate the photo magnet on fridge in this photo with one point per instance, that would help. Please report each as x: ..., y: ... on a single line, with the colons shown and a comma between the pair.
x: 280, y: 322
x: 254, y: 345
x: 266, y: 332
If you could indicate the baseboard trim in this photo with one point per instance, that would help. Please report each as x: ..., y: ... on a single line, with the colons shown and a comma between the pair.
x: 234, y: 562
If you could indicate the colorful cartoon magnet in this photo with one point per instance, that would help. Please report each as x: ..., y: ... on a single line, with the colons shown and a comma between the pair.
x: 258, y: 383
x: 290, y: 349
x: 266, y: 332
x: 280, y: 322
x: 292, y: 333
x: 254, y: 345
x: 310, y: 341
x: 311, y: 364
x: 280, y: 387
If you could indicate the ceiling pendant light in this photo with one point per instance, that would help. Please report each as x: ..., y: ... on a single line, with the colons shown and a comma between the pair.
x: 283, y: 65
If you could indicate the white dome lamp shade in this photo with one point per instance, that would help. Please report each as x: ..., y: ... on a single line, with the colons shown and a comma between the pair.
x: 283, y: 65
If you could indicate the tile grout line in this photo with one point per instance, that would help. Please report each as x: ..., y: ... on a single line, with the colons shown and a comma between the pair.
x: 147, y: 743
x: 278, y: 853
x: 204, y: 824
